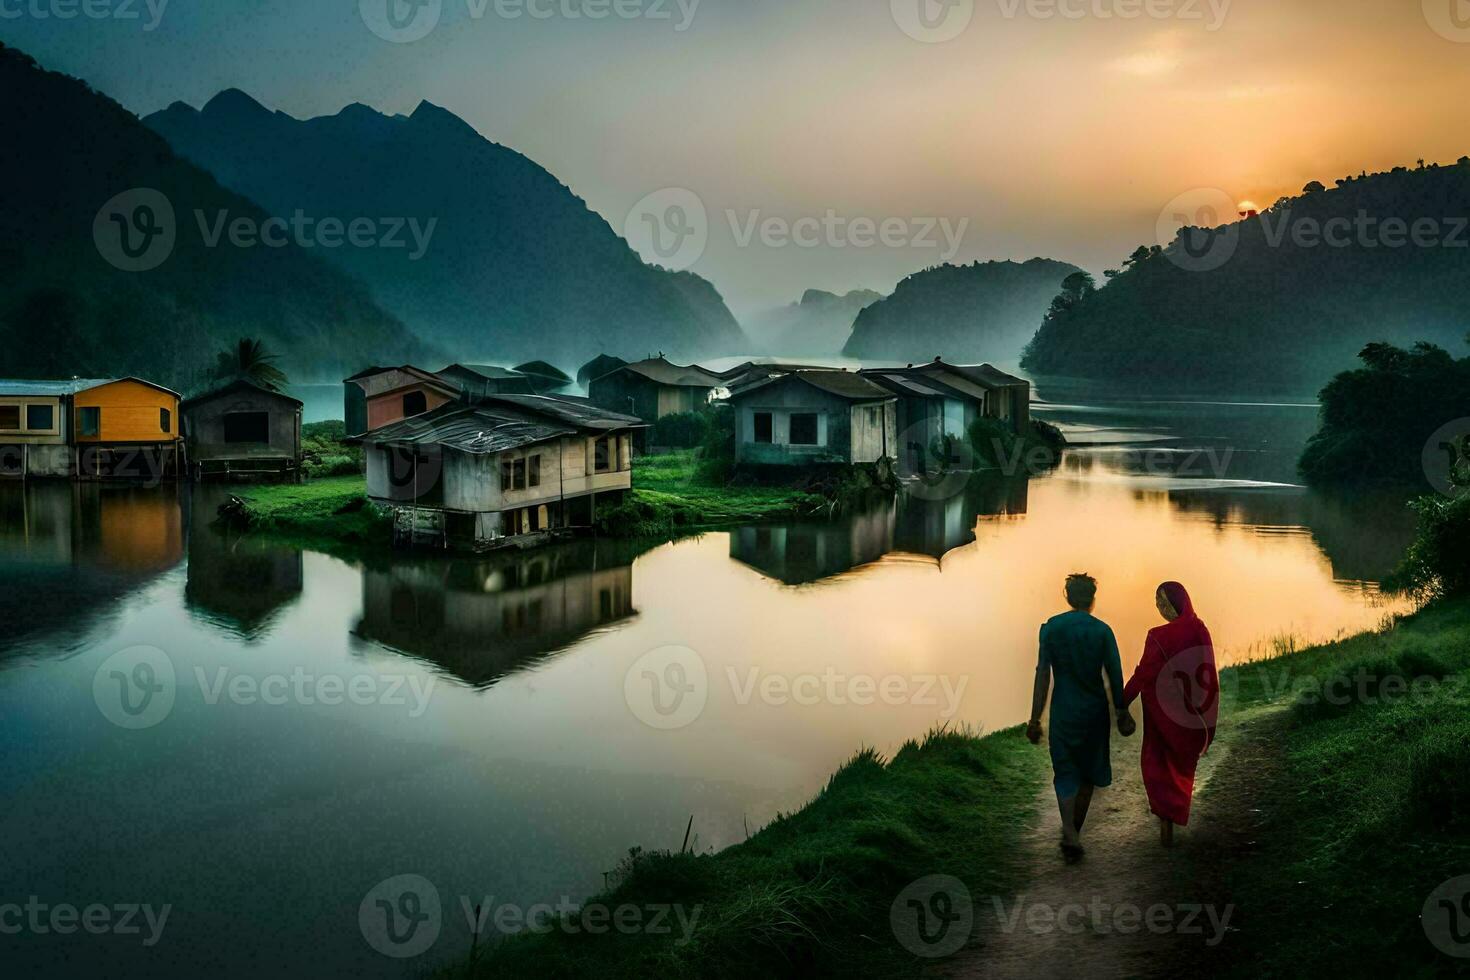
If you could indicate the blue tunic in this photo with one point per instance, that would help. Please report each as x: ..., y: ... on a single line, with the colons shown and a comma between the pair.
x: 1078, y: 649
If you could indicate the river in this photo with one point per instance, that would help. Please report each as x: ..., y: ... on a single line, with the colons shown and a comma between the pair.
x: 507, y: 727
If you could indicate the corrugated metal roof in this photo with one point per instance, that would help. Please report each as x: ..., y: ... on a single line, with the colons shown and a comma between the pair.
x: 843, y: 384
x: 579, y: 413
x: 19, y: 387
x: 665, y: 373
x: 477, y: 430
x: 236, y: 385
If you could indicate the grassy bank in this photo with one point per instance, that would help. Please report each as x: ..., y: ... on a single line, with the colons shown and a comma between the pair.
x: 1348, y: 782
x: 334, y: 509
x: 811, y: 893
x: 674, y: 493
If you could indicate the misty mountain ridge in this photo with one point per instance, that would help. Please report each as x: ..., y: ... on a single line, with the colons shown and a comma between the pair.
x: 985, y: 311
x: 1289, y: 298
x: 819, y: 324
x: 518, y: 267
x: 124, y: 290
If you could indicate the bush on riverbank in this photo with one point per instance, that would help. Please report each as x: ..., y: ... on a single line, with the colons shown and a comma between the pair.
x: 1033, y: 453
x: 323, y: 453
x: 1377, y: 419
x: 679, y: 491
x: 811, y: 893
x: 1357, y: 793
x: 1437, y: 563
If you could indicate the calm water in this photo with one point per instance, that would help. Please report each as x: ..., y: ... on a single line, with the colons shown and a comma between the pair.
x: 500, y: 740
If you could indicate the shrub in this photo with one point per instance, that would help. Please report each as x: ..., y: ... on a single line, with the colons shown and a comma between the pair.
x: 1033, y: 453
x: 681, y: 430
x: 1437, y: 563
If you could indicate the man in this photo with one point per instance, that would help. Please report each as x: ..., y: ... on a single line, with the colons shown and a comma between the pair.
x: 1078, y: 649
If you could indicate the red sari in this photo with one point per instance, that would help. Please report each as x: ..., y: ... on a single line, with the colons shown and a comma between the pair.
x: 1181, y: 705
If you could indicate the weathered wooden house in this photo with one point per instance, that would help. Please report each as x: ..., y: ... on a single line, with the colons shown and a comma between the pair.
x: 478, y: 380
x: 654, y: 388
x: 503, y: 470
x: 93, y: 429
x: 380, y: 396
x: 813, y: 418
x: 939, y: 401
x: 34, y: 428
x: 242, y: 431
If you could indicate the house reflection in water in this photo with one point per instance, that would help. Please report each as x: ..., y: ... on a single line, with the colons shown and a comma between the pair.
x: 917, y: 521
x: 73, y: 549
x: 237, y: 582
x: 481, y: 620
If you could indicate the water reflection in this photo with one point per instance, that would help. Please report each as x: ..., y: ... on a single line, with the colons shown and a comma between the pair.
x: 239, y: 583
x: 74, y: 550
x: 912, y: 523
x: 482, y: 619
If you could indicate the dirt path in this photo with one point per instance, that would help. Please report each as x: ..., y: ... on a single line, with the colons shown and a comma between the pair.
x: 1130, y: 908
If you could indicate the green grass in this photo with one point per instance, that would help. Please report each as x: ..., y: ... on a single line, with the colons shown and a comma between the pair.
x: 333, y: 509
x: 1364, y: 804
x: 810, y: 893
x: 323, y: 453
x: 674, y: 492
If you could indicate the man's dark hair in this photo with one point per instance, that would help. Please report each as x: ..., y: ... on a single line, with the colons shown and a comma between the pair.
x: 1081, y: 590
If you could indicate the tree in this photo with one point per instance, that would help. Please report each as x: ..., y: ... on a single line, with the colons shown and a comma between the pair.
x: 1314, y: 187
x: 251, y: 361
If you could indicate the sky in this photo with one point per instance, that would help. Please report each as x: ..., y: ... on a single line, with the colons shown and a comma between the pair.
x: 838, y: 144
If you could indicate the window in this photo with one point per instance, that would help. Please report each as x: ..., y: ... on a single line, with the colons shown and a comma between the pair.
x: 40, y: 418
x: 602, y: 456
x: 512, y: 475
x: 415, y: 403
x: 165, y: 419
x: 763, y: 427
x: 534, y: 479
x: 247, y: 427
x: 9, y: 417
x: 89, y: 421
x: 803, y: 430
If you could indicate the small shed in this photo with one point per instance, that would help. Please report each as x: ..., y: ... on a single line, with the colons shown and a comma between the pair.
x: 654, y: 388
x: 813, y: 418
x: 487, y: 379
x: 242, y: 431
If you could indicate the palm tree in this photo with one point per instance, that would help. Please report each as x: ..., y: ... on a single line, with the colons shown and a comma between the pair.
x: 252, y: 361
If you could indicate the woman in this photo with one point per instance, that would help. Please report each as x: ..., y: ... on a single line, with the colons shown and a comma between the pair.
x: 1181, y: 704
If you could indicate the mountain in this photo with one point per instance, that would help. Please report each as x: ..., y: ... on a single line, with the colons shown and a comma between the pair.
x: 509, y: 264
x: 983, y: 311
x: 818, y: 325
x: 69, y: 307
x: 1284, y: 300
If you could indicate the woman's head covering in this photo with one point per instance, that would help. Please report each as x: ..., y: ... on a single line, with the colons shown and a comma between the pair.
x: 1178, y: 597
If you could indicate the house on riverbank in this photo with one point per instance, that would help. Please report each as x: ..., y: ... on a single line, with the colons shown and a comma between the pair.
x: 380, y: 396
x: 242, y: 431
x: 938, y: 402
x: 89, y: 429
x: 808, y: 418
x: 655, y: 388
x: 502, y: 470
